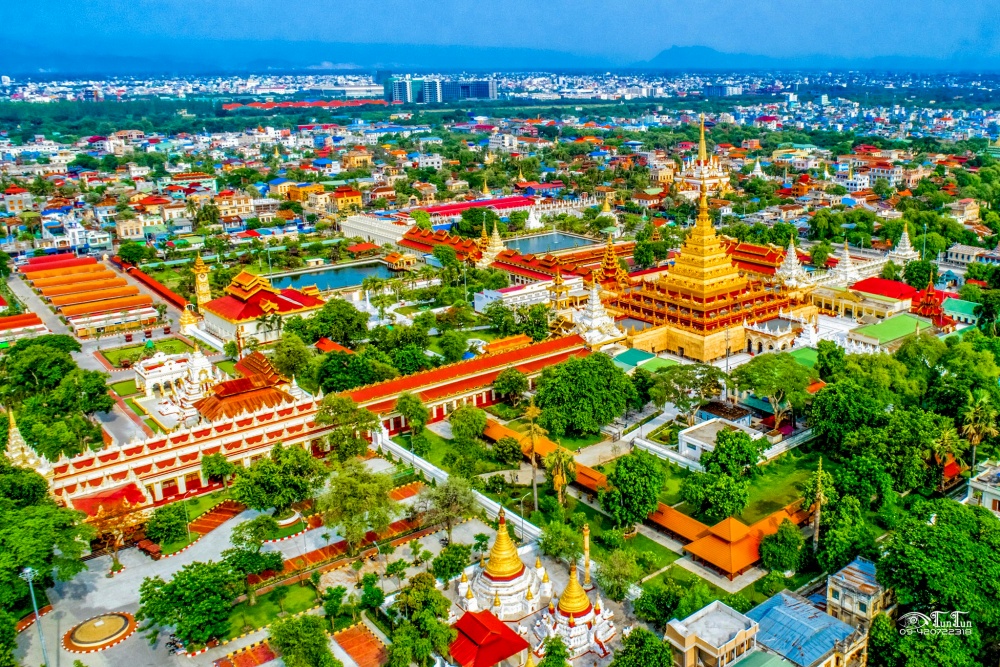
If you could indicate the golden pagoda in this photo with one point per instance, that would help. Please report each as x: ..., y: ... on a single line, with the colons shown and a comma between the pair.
x: 503, y: 583
x: 698, y: 308
x: 486, y: 188
x: 574, y: 600
x: 703, y: 170
x: 504, y: 562
x: 611, y: 272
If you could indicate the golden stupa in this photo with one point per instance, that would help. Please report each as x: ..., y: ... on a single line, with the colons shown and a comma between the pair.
x: 698, y: 308
x: 574, y: 600
x: 611, y: 272
x: 504, y: 563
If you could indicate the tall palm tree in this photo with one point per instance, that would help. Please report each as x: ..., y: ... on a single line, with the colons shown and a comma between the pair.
x: 561, y: 466
x: 979, y: 421
x: 947, y: 442
x: 533, y: 431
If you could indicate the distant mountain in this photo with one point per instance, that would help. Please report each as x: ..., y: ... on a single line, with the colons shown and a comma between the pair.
x: 215, y: 56
x: 694, y: 58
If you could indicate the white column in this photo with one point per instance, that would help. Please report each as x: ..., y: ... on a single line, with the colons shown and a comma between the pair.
x: 157, y: 491
x: 182, y: 484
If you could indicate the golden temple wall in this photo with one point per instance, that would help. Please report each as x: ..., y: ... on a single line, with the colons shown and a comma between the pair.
x: 690, y: 344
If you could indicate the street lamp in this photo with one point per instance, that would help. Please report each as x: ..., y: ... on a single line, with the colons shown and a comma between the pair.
x: 522, y: 513
x: 28, y: 574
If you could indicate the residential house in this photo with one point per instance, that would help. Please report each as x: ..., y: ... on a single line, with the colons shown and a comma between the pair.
x: 854, y: 595
x: 793, y: 628
x: 347, y: 198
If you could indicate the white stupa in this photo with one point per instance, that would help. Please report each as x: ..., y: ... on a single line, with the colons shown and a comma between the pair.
x: 791, y: 272
x: 757, y: 171
x: 846, y: 273
x: 582, y: 625
x: 534, y: 221
x: 504, y: 585
x: 903, y: 252
x: 594, y: 324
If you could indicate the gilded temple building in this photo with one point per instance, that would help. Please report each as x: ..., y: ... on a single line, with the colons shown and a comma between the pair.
x: 584, y: 626
x: 698, y: 309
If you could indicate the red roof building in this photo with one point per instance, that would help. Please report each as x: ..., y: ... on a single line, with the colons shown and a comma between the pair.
x: 892, y: 289
x: 249, y: 296
x: 425, y: 240
x: 326, y: 345
x: 483, y: 640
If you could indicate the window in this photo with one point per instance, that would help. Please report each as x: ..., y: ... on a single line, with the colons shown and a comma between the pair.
x: 862, y: 607
x: 835, y: 594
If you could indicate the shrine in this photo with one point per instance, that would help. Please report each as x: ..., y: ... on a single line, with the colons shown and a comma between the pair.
x: 582, y: 625
x: 504, y: 585
x: 698, y: 308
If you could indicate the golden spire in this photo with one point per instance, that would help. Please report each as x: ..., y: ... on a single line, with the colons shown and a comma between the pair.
x: 545, y: 577
x: 486, y: 187
x: 606, y: 207
x: 465, y: 577
x: 496, y: 599
x: 484, y: 240
x: 538, y: 559
x: 468, y: 593
x: 531, y: 660
x: 504, y: 562
x: 609, y: 263
x: 574, y: 599
x: 528, y: 595
x: 702, y: 149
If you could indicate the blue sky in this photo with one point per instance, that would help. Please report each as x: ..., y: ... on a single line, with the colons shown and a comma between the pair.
x: 620, y: 31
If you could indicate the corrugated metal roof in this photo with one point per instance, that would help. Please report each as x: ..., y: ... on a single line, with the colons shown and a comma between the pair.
x: 796, y: 630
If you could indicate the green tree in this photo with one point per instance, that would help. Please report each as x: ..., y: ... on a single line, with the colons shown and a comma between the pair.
x: 658, y: 601
x: 246, y: 557
x: 217, y: 466
x: 694, y: 599
x: 534, y: 321
x: 735, y: 454
x: 782, y: 551
x: 582, y: 395
x: 501, y: 318
x: 450, y: 562
x: 349, y: 424
x: 450, y: 502
x: 829, y: 360
x: 634, y: 487
x: 453, y: 346
x: 467, y: 423
x: 195, y: 603
x: 556, y: 653
x: 847, y: 536
x: 507, y: 450
x: 289, y: 475
x: 413, y: 411
x: 979, y: 420
x: 421, y: 219
x: 779, y: 378
x: 891, y: 271
x: 8, y: 640
x: 842, y: 408
x: 302, y: 642
x: 561, y: 541
x: 687, y: 387
x: 511, y: 384
x: 167, y: 524
x: 132, y: 252
x: 618, y: 572
x: 423, y: 630
x: 560, y: 469
x: 716, y: 496
x: 918, y: 274
x: 356, y: 500
x: 643, y: 649
x: 337, y: 320
x: 35, y: 532
x: 291, y: 355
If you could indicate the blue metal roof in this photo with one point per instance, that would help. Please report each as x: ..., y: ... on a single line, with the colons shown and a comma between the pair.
x: 796, y: 630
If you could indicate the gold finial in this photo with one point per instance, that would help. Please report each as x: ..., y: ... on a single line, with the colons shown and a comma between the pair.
x: 528, y: 595
x: 531, y: 660
x: 465, y: 577
x: 702, y: 149
x: 572, y: 621
x: 504, y: 562
x: 538, y: 562
x: 574, y: 599
x: 496, y: 599
x: 486, y: 187
x: 545, y: 577
x: 606, y: 207
x: 468, y: 593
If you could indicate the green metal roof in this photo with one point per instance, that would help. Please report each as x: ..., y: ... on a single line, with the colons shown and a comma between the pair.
x: 761, y: 659
x: 960, y: 306
x: 894, y: 327
x: 806, y: 356
x: 656, y: 364
x: 634, y: 357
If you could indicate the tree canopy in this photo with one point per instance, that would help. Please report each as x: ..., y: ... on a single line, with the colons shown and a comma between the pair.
x: 582, y: 395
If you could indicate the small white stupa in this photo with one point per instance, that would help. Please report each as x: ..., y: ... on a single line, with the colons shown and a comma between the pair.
x: 594, y: 325
x: 791, y: 272
x: 534, y: 221
x: 903, y: 252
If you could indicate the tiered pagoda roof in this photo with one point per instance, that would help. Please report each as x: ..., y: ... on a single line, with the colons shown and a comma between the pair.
x: 248, y: 297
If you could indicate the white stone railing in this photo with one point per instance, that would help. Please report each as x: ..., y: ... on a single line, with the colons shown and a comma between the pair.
x: 381, y: 440
x: 662, y: 452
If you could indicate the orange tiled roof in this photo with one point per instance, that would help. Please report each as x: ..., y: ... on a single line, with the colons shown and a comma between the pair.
x: 233, y: 397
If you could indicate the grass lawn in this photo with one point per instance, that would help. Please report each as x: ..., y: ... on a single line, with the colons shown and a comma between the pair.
x: 411, y: 310
x: 686, y: 579
x: 266, y: 611
x: 666, y: 434
x: 151, y: 423
x: 200, y: 504
x: 132, y: 352
x: 173, y: 547
x: 654, y: 365
x: 670, y: 494
x: 124, y: 388
x: 168, y: 276
x: 228, y: 367
x: 505, y: 411
x: 434, y: 345
x: 780, y: 483
x: 572, y: 443
x: 806, y: 356
x: 440, y: 447
x: 287, y: 530
x: 134, y: 407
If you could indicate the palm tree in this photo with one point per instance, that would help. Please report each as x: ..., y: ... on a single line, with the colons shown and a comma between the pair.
x: 947, y: 442
x: 561, y: 466
x: 979, y: 421
x: 533, y: 431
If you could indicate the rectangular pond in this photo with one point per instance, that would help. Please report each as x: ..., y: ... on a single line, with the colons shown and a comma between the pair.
x: 333, y: 277
x: 550, y: 242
